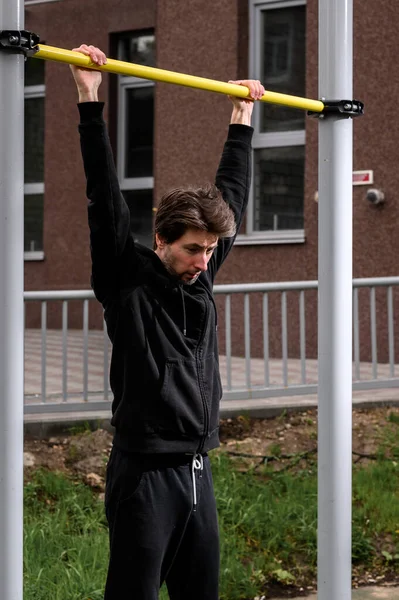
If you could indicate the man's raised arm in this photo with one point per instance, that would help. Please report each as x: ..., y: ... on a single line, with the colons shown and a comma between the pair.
x: 233, y: 177
x: 112, y: 246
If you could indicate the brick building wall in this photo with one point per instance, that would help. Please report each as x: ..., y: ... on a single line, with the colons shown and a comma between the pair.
x: 211, y: 39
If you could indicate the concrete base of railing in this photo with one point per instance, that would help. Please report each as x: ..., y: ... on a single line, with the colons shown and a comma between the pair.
x: 43, y: 425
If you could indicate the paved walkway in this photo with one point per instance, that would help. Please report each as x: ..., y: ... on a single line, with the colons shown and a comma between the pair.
x: 368, y: 593
x: 65, y: 379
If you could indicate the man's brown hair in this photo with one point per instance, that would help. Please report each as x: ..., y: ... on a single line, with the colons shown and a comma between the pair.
x: 198, y: 208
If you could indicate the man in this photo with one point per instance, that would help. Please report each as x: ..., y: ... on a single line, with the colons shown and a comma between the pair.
x: 161, y: 319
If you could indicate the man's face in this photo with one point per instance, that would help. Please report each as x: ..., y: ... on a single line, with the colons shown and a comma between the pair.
x: 188, y: 256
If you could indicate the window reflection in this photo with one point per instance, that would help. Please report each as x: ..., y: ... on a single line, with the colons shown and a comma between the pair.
x: 139, y: 131
x: 283, y: 65
x: 140, y: 206
x: 279, y: 181
x: 138, y: 48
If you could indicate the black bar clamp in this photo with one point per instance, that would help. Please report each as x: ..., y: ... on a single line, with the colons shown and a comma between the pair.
x: 344, y: 108
x: 21, y: 41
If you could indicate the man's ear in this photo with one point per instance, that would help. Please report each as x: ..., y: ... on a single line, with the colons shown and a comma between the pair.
x: 160, y: 242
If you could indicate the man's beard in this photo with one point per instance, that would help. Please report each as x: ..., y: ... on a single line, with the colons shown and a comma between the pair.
x: 192, y: 280
x: 168, y: 266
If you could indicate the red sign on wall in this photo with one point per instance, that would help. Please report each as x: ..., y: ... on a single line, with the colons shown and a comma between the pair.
x: 362, y: 177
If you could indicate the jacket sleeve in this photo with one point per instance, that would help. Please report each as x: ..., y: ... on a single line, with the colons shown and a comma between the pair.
x: 113, y: 254
x: 233, y: 179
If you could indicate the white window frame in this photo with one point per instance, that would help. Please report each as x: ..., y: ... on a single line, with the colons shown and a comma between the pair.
x: 267, y: 140
x: 30, y: 92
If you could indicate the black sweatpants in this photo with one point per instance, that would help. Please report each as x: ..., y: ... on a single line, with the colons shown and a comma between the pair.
x: 155, y: 533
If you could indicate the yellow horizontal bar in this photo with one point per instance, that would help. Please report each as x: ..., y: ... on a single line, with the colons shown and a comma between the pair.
x: 211, y: 85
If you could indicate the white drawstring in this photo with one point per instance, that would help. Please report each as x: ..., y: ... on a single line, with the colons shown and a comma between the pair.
x: 197, y: 464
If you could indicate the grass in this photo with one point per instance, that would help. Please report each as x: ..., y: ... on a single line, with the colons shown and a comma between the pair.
x: 268, y: 526
x: 65, y: 540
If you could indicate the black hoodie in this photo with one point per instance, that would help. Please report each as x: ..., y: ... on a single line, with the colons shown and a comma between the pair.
x: 164, y: 369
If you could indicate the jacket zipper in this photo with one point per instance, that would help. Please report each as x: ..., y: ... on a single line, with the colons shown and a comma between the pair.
x: 200, y: 382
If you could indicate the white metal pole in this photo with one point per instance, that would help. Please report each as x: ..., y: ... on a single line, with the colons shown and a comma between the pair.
x: 11, y: 309
x: 335, y: 306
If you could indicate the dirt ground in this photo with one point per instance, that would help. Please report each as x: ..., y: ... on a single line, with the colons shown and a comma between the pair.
x: 286, y: 441
x: 274, y: 440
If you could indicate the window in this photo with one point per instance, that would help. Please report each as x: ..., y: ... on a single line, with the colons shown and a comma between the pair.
x: 34, y: 158
x: 278, y: 34
x: 135, y: 133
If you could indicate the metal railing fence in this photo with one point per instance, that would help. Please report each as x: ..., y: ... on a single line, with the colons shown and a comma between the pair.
x: 67, y: 369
